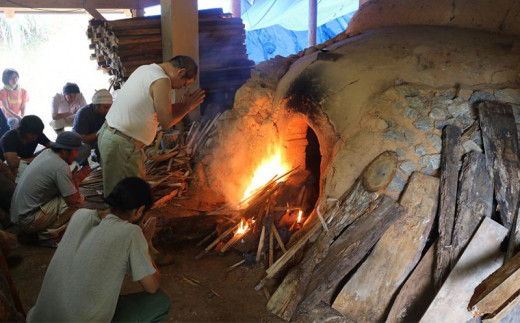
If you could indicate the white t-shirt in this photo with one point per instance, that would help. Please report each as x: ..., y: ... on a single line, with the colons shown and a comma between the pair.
x: 133, y: 112
x: 84, y: 277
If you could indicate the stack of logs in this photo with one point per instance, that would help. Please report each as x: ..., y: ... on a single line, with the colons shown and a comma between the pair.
x: 375, y: 259
x: 120, y: 46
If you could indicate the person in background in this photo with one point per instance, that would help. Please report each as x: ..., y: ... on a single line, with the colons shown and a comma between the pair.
x: 48, y: 191
x: 17, y: 146
x: 13, y: 97
x: 65, y: 105
x: 84, y: 278
x: 143, y: 102
x: 88, y: 121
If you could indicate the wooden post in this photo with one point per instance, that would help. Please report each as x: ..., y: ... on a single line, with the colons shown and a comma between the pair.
x: 180, y: 35
x: 448, y: 195
x: 235, y: 8
x: 313, y: 18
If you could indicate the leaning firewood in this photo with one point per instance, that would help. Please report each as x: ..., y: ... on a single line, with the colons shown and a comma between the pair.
x: 230, y: 268
x: 162, y: 201
x: 353, y: 203
x: 497, y: 290
x: 374, y: 179
x: 271, y: 248
x: 417, y: 292
x: 474, y: 202
x: 278, y: 238
x: 499, y: 134
x: 348, y: 250
x: 260, y: 245
x: 216, y: 241
x: 369, y: 292
x: 451, y: 153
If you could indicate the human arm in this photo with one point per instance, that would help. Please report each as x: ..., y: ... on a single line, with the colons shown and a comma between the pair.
x: 82, y: 127
x: 10, y: 113
x: 78, y: 175
x: 150, y: 283
x: 169, y: 114
x: 58, y: 101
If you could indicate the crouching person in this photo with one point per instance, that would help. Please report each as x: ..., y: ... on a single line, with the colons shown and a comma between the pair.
x: 84, y: 278
x: 47, y: 193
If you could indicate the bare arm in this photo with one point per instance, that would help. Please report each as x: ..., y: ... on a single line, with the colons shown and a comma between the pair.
x: 13, y: 161
x: 10, y: 113
x: 91, y: 137
x: 150, y: 283
x: 22, y: 109
x: 75, y: 198
x: 169, y: 114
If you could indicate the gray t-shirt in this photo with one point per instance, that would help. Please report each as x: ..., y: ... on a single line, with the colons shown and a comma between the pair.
x: 84, y: 278
x: 46, y: 177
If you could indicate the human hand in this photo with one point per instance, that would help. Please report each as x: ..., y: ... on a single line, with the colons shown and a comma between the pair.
x: 80, y: 174
x: 193, y: 99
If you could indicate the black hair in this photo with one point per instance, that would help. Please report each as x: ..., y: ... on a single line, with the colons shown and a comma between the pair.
x: 182, y: 61
x: 30, y: 124
x: 70, y: 88
x: 129, y: 194
x: 6, y: 75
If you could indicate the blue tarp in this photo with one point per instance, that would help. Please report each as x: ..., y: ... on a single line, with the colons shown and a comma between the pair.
x: 280, y: 27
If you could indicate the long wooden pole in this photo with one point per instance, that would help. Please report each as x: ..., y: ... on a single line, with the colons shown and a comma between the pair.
x: 313, y: 19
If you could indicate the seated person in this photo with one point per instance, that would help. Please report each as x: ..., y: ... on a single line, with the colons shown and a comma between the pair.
x: 48, y: 191
x: 17, y: 146
x: 4, y: 125
x: 65, y: 105
x: 12, y: 97
x: 84, y: 278
x: 88, y: 121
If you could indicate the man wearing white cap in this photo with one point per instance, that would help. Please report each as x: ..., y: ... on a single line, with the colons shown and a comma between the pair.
x: 48, y: 191
x: 89, y: 120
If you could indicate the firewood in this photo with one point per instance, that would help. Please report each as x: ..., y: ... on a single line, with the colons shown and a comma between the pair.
x: 161, y: 202
x: 451, y: 153
x: 203, y: 241
x: 278, y: 238
x: 417, y: 292
x: 348, y: 250
x: 497, y: 290
x: 216, y: 241
x: 230, y: 268
x: 271, y: 248
x: 475, y: 201
x: 499, y: 134
x: 260, y: 244
x: 374, y: 178
x: 369, y: 292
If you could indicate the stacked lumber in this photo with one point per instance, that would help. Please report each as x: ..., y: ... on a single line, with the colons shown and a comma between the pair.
x: 120, y: 46
x: 376, y: 259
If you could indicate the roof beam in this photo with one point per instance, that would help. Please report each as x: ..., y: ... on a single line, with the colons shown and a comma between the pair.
x: 79, y: 4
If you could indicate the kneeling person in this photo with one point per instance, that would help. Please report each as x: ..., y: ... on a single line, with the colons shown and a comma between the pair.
x: 48, y: 191
x: 95, y: 253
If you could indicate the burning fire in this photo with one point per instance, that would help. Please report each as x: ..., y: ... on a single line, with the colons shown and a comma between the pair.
x: 243, y: 227
x: 299, y: 220
x: 268, y: 169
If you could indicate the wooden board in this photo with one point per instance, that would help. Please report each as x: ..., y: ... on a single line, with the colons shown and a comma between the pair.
x: 497, y: 290
x: 475, y: 201
x: 417, y: 292
x: 481, y: 258
x: 368, y: 294
x: 348, y: 250
x: 447, y: 204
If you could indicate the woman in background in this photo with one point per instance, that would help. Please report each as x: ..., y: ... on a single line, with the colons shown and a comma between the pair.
x: 65, y: 105
x: 13, y: 97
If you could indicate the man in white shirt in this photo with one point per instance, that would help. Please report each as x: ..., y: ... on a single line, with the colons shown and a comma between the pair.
x: 143, y: 102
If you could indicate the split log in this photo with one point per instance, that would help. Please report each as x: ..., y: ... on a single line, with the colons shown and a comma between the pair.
x: 373, y: 180
x: 348, y: 250
x: 475, y: 201
x: 500, y: 141
x: 480, y: 259
x: 496, y: 291
x: 417, y: 292
x: 450, y: 158
x: 368, y: 294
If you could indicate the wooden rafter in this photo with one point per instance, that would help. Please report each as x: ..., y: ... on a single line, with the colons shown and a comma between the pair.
x: 79, y: 4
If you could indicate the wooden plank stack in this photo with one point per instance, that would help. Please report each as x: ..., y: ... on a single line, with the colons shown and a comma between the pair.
x: 120, y: 46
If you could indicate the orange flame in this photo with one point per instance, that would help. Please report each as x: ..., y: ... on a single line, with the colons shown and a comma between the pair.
x: 243, y: 227
x: 299, y: 220
x: 268, y: 169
